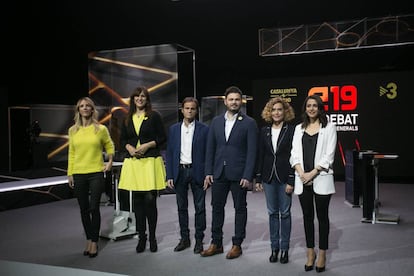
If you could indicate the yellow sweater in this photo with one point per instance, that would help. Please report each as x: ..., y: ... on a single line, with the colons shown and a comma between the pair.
x: 86, y: 148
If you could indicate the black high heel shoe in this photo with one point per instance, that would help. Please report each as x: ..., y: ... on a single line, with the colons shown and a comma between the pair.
x: 93, y: 255
x: 320, y: 269
x: 321, y: 260
x: 86, y: 251
x: 310, y: 267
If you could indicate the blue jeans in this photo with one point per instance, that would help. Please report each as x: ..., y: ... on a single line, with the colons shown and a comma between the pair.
x: 185, y: 180
x: 280, y: 221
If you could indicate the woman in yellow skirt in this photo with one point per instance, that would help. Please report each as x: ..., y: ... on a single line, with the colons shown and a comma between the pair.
x: 143, y: 169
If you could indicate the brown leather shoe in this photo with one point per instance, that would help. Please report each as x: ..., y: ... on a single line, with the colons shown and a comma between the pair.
x: 211, y: 250
x: 234, y: 252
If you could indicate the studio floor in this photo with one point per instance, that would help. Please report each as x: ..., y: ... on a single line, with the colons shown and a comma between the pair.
x: 48, y: 239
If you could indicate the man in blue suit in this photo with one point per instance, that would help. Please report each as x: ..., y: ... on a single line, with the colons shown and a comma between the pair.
x: 230, y: 164
x: 185, y: 162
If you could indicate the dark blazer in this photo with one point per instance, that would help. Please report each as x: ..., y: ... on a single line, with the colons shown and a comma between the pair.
x: 152, y: 129
x: 238, y: 153
x: 277, y: 163
x: 198, y: 151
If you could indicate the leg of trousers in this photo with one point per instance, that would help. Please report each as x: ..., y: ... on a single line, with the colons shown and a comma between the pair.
x: 199, y: 198
x: 185, y: 180
x: 219, y: 193
x: 181, y: 195
x: 278, y: 207
x: 322, y: 213
x: 88, y: 190
x: 307, y: 199
x: 240, y: 207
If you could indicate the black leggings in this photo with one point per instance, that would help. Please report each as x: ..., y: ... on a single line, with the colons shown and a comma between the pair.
x: 308, y: 200
x: 145, y: 208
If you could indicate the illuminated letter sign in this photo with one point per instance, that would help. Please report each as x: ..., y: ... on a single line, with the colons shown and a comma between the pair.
x: 339, y: 100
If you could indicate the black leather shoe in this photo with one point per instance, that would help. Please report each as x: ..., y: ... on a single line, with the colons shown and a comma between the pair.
x: 153, y: 245
x: 273, y: 257
x: 284, y: 257
x: 198, y: 248
x: 85, y: 253
x: 183, y: 244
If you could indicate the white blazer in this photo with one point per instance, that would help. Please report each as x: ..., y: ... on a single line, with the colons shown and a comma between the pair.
x: 323, y: 183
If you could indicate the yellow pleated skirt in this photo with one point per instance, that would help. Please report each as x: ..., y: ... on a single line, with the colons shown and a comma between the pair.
x: 144, y: 174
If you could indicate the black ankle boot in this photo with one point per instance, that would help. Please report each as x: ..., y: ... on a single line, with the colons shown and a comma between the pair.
x: 142, y: 243
x: 273, y: 257
x: 284, y: 257
x: 153, y: 245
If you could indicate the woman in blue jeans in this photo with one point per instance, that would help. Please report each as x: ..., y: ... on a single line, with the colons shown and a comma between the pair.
x: 274, y: 174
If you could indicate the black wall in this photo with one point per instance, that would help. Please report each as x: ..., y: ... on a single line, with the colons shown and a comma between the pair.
x: 47, y: 43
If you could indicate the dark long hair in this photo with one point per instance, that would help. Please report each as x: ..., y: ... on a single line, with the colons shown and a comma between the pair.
x: 323, y: 119
x: 133, y: 108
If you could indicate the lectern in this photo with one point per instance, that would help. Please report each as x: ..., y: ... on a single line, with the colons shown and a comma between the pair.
x: 368, y: 176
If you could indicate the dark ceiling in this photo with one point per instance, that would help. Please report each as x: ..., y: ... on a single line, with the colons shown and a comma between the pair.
x: 47, y: 42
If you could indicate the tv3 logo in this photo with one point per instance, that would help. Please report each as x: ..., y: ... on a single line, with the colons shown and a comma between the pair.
x: 343, y: 98
x: 390, y: 91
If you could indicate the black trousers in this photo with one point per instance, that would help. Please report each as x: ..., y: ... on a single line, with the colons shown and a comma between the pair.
x: 88, y: 190
x: 308, y: 201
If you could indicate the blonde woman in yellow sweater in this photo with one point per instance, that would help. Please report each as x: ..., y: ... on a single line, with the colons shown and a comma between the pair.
x: 87, y: 141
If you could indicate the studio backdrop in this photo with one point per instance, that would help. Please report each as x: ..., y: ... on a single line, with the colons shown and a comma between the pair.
x: 371, y: 112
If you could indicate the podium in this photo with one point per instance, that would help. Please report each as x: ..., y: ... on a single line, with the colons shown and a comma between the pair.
x: 352, y: 180
x: 367, y: 168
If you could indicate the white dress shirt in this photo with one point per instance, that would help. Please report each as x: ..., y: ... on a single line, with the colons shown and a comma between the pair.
x: 187, y: 134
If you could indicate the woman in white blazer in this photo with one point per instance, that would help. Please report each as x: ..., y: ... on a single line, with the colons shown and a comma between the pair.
x: 312, y: 157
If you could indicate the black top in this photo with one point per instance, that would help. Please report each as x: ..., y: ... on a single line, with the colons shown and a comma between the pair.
x: 309, y: 149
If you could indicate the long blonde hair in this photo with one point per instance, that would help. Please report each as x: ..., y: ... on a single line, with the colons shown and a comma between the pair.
x: 78, y: 118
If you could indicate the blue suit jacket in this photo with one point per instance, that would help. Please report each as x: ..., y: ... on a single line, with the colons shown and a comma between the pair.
x: 238, y: 153
x: 198, y: 152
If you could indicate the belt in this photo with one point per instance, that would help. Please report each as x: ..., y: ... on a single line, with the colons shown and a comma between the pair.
x: 185, y: 166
